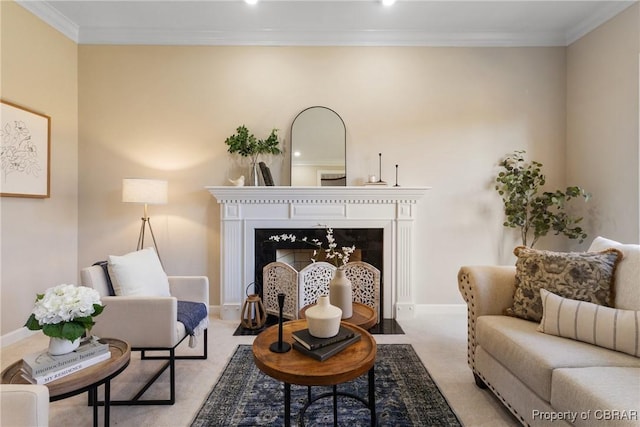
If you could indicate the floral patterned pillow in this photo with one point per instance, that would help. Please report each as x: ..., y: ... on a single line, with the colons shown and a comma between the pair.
x: 582, y: 276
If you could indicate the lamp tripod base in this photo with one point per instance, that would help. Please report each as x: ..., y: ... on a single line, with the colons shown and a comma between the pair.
x: 146, y: 221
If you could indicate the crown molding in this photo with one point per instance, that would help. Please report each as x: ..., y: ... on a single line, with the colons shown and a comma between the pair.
x: 607, y: 12
x: 50, y: 15
x: 136, y: 36
x: 47, y: 12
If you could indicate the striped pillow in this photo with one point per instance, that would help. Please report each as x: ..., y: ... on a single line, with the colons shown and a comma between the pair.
x: 607, y: 327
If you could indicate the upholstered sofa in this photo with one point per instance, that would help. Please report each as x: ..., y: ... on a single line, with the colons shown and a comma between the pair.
x: 545, y: 378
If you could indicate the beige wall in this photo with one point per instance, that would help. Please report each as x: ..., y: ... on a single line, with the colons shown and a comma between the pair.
x: 445, y: 115
x: 602, y: 125
x: 39, y: 237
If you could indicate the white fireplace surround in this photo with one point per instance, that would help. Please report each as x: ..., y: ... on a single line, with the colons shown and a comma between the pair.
x: 244, y: 209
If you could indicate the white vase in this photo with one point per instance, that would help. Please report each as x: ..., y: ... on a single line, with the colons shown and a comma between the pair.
x: 323, y: 319
x: 341, y: 294
x: 58, y: 346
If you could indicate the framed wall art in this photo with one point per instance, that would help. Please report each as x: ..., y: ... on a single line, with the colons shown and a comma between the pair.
x: 25, y: 152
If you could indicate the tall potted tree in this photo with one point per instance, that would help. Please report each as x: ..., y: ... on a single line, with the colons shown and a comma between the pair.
x: 247, y: 145
x: 531, y: 210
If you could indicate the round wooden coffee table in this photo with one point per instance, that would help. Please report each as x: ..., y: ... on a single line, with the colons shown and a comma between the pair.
x: 87, y: 379
x: 294, y: 367
x: 363, y: 315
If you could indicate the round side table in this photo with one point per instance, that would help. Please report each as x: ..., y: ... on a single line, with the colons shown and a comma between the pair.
x: 87, y: 379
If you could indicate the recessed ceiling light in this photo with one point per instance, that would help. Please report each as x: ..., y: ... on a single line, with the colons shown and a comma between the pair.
x: 296, y: 154
x: 388, y: 2
x: 251, y: 1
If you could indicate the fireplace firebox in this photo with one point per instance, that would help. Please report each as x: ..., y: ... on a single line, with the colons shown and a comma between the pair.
x: 368, y: 242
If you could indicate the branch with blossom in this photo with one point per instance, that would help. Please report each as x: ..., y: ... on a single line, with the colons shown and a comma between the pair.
x: 337, y: 257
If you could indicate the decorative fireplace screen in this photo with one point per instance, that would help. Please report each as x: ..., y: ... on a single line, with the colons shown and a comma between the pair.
x: 304, y: 287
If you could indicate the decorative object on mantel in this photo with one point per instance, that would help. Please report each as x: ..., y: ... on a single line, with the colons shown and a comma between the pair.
x: 380, y: 181
x: 65, y: 313
x: 377, y: 181
x: 239, y: 182
x: 340, y: 291
x: 396, y: 177
x: 266, y: 174
x: 518, y: 183
x: 246, y: 144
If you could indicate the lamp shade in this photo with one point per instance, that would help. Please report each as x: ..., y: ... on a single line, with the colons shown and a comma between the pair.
x: 149, y: 191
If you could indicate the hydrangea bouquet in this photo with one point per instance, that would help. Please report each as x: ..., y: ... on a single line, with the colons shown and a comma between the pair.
x: 65, y: 311
x: 339, y: 258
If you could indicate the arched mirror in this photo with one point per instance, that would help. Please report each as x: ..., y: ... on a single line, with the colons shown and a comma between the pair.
x: 318, y: 148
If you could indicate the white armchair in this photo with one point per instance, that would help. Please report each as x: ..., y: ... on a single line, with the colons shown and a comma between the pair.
x: 149, y: 323
x: 24, y: 405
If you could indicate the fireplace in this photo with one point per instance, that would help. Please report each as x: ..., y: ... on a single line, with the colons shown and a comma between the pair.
x: 388, y: 210
x: 368, y: 242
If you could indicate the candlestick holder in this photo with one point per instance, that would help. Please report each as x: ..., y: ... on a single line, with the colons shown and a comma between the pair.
x: 396, y: 177
x: 280, y: 346
x: 380, y: 181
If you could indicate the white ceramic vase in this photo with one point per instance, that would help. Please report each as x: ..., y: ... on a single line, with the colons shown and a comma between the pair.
x: 323, y: 319
x: 341, y: 294
x: 58, y: 346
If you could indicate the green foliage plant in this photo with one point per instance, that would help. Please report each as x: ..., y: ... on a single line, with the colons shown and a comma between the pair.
x: 247, y: 145
x: 533, y: 211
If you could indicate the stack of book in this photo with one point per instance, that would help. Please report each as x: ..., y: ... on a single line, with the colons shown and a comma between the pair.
x: 323, y: 348
x: 42, y: 368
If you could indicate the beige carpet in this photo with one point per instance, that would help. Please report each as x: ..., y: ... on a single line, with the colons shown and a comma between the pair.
x: 439, y: 340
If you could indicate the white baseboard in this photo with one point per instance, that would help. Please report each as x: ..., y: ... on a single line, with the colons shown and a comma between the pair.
x: 214, y: 309
x: 441, y: 309
x: 15, y: 336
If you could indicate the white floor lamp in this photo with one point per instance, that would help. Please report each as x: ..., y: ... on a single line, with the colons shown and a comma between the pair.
x: 149, y: 192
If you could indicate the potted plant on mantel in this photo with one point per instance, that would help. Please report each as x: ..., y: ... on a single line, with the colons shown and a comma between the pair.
x: 519, y: 183
x: 246, y: 144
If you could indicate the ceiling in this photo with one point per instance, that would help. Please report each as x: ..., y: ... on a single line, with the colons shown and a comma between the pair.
x: 328, y: 22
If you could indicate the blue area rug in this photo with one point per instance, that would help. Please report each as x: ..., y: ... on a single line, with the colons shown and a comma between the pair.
x: 405, y: 396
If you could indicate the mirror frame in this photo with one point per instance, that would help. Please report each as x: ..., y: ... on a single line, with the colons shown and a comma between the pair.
x: 344, y: 127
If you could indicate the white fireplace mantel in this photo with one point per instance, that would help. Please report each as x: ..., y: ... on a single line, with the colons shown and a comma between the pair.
x: 244, y: 209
